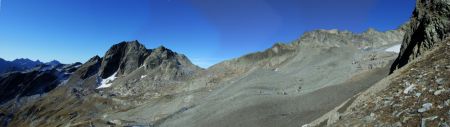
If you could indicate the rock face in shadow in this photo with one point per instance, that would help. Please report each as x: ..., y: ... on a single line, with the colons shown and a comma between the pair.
x: 123, y: 58
x: 428, y: 26
x: 91, y: 67
x: 39, y: 80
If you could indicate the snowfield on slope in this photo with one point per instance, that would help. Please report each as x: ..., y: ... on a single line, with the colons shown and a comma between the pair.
x: 395, y: 48
x: 105, y: 83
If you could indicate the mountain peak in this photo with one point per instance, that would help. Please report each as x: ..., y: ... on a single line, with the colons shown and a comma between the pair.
x: 161, y: 47
x: 126, y: 44
x: 95, y: 58
x: 22, y: 60
x: 135, y: 43
x: 53, y: 62
x: 161, y: 50
x: 124, y: 57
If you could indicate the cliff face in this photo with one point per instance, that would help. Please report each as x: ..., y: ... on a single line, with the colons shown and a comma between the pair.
x: 428, y: 26
x: 123, y: 58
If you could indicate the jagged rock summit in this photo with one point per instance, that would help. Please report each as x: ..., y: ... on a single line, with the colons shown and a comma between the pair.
x: 131, y: 60
x: 123, y: 58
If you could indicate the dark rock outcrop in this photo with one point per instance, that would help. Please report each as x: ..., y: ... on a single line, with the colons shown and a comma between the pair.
x: 428, y: 26
x: 123, y: 58
x: 91, y: 67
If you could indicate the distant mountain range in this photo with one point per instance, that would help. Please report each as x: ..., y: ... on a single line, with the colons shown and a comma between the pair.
x: 22, y: 64
x: 17, y: 65
x: 34, y: 81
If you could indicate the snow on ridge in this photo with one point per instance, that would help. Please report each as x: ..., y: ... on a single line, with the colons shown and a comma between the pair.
x: 143, y: 76
x: 395, y: 48
x: 107, y: 82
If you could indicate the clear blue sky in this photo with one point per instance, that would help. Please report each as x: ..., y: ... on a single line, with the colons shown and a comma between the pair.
x: 207, y: 31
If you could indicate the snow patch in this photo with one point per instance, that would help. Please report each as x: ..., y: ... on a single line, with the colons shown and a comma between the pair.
x: 143, y: 76
x: 105, y: 83
x: 395, y: 48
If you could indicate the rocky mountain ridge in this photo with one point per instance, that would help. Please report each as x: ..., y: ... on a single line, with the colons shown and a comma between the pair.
x: 334, y: 37
x: 274, y: 80
x: 17, y: 65
x: 35, y: 81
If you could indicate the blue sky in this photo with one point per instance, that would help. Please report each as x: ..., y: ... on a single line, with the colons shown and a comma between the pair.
x: 207, y: 31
